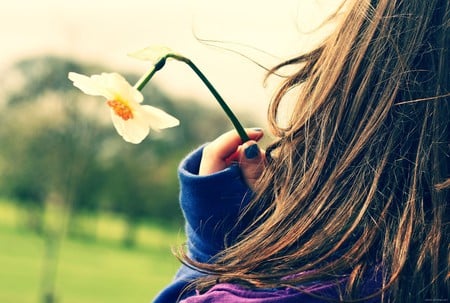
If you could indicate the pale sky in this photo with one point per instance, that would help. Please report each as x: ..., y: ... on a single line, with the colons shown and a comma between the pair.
x: 105, y: 31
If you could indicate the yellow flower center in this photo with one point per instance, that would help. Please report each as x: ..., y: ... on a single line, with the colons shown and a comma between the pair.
x: 121, y: 109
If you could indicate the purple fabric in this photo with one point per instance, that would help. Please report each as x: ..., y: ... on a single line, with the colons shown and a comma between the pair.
x: 234, y: 293
x: 314, y: 293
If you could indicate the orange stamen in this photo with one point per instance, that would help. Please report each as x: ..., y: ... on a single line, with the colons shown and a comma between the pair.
x: 121, y: 109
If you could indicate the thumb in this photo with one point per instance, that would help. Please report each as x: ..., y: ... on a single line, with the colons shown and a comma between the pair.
x: 251, y: 162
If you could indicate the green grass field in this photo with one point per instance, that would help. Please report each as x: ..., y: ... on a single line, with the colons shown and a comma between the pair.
x: 88, y: 271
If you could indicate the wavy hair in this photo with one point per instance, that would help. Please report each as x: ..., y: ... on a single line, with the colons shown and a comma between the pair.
x: 357, y: 182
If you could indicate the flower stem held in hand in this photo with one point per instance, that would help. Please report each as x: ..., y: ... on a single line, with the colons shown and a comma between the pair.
x: 160, y: 64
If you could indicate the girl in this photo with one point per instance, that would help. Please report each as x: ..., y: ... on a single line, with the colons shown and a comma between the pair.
x: 350, y: 203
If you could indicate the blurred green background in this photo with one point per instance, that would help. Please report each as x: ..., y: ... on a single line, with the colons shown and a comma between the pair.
x: 84, y: 216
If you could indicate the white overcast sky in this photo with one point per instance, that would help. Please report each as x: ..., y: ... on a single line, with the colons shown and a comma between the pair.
x: 106, y: 30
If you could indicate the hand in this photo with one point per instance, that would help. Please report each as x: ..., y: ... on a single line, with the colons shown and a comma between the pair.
x: 228, y: 149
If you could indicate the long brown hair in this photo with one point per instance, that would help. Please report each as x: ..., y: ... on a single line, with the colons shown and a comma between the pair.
x: 357, y: 183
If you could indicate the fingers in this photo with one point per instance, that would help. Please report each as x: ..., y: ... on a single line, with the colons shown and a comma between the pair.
x: 218, y: 154
x: 251, y: 161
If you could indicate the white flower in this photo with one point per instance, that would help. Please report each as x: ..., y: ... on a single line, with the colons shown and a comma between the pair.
x: 131, y: 119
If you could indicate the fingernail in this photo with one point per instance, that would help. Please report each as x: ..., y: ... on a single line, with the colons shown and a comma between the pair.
x: 252, y: 151
x: 258, y: 129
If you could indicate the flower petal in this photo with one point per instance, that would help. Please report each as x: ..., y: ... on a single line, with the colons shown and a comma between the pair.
x: 152, y: 53
x: 93, y: 85
x: 118, y: 122
x: 133, y: 130
x: 158, y: 119
x: 121, y: 88
x: 112, y: 86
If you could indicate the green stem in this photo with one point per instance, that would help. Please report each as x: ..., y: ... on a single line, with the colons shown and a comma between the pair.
x: 142, y: 82
x: 234, y: 120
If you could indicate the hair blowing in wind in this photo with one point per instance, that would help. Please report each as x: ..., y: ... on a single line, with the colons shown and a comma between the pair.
x: 357, y: 182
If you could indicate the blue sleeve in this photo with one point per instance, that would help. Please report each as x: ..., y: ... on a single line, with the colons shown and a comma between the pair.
x: 211, y: 206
